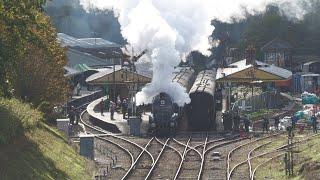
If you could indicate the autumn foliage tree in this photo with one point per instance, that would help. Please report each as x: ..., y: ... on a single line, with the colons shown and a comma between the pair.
x: 31, y: 60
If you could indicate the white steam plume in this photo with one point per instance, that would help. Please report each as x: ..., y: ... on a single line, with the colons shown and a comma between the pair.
x: 170, y: 29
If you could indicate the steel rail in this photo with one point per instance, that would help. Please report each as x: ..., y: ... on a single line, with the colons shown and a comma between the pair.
x: 270, y: 159
x: 117, y: 137
x: 137, y: 159
x: 156, y: 161
x: 249, y: 155
x: 240, y: 146
x: 202, y: 159
x: 210, y: 142
x: 121, y: 147
x: 174, y: 149
x: 190, y: 147
x: 276, y: 150
x: 247, y: 160
x: 281, y: 148
x: 182, y: 160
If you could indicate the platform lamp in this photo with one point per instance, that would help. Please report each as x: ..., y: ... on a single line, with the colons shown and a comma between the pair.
x: 107, y: 101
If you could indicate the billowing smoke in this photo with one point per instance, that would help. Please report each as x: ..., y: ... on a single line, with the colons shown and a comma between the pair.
x: 170, y: 29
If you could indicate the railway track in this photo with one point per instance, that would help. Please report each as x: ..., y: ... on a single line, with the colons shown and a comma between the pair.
x: 215, y: 157
x: 271, y: 155
x: 185, y: 157
x: 141, y: 158
x: 237, y: 159
x: 245, y: 168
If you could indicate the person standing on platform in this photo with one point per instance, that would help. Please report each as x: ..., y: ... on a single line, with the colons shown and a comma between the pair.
x: 77, y: 116
x: 276, y: 123
x: 101, y: 106
x: 112, y: 109
x: 314, y: 123
x: 124, y: 108
x: 72, y: 115
x: 118, y: 103
x: 265, y: 124
x: 293, y: 121
x: 246, y: 123
x: 236, y: 122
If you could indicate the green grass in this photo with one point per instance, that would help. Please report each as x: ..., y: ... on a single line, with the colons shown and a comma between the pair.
x: 259, y: 114
x: 41, y: 152
x: 306, y: 164
x: 16, y: 118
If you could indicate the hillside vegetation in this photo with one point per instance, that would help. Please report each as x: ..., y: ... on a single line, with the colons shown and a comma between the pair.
x: 30, y: 149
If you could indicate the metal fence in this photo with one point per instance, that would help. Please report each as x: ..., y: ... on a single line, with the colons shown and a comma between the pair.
x: 86, y: 99
x: 265, y: 100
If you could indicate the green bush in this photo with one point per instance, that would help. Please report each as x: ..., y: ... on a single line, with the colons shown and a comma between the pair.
x: 259, y: 114
x: 16, y: 118
x: 49, y: 114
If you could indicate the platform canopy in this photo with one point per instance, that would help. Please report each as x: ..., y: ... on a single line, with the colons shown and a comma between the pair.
x: 247, y: 73
x: 120, y: 76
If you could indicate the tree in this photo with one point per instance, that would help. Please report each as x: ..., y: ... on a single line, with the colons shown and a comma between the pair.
x: 70, y: 18
x: 199, y: 60
x: 31, y: 59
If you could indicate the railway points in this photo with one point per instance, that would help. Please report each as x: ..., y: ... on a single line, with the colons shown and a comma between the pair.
x: 187, y: 155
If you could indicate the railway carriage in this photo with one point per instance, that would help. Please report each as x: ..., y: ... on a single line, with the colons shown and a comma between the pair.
x: 203, y: 101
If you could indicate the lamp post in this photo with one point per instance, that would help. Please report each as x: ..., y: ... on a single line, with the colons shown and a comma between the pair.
x: 114, y: 75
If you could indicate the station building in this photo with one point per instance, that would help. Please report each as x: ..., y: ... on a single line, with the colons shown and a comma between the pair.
x: 278, y: 52
x: 118, y: 81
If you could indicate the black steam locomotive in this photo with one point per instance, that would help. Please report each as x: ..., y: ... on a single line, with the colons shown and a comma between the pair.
x: 165, y: 113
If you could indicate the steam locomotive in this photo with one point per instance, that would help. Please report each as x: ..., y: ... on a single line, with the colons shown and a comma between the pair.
x: 165, y: 113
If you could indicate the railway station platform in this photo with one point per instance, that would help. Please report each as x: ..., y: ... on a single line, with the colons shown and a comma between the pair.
x: 118, y: 122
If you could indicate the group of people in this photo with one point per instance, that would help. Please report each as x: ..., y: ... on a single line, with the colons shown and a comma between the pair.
x: 232, y: 121
x: 314, y: 121
x: 239, y: 123
x: 265, y: 123
x: 112, y: 106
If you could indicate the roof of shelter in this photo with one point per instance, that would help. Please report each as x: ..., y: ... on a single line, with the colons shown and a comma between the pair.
x: 277, y: 44
x: 102, y: 72
x: 311, y: 62
x: 82, y: 67
x: 310, y: 75
x: 69, y: 71
x: 101, y: 75
x: 76, y: 57
x: 69, y: 41
x: 262, y: 72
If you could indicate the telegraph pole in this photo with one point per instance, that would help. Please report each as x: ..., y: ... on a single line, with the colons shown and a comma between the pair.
x: 114, y: 80
x: 288, y: 159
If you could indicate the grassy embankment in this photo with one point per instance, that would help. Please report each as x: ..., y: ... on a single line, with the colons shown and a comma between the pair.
x: 30, y: 149
x: 306, y: 163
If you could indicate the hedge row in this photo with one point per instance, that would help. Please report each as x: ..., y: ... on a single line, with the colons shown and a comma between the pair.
x: 16, y: 118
